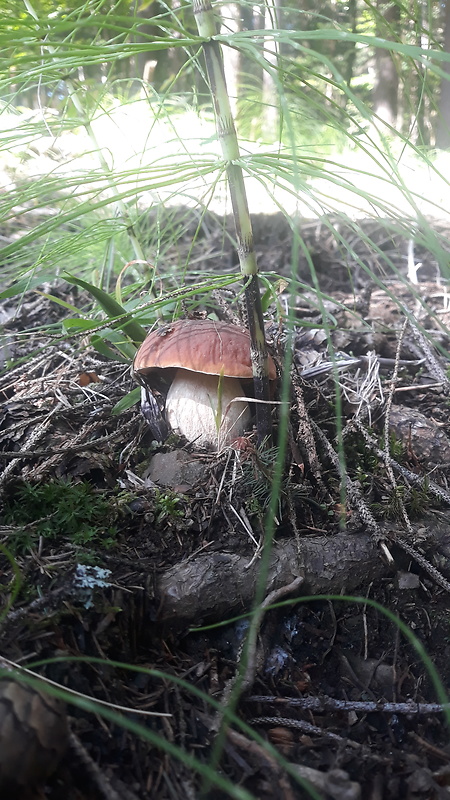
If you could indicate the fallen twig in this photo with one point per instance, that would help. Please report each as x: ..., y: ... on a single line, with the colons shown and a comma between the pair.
x: 325, y: 703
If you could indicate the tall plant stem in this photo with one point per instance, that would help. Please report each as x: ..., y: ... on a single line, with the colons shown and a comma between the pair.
x: 226, y: 131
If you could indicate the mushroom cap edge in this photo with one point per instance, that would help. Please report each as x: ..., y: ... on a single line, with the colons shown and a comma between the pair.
x: 205, y: 346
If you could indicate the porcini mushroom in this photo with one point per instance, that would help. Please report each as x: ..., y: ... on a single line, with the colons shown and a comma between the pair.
x: 206, y: 362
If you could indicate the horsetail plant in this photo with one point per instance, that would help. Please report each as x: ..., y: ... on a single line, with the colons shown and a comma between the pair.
x: 121, y: 208
x: 226, y: 132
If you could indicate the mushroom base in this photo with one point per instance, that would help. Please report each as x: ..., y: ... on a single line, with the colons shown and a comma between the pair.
x: 191, y: 409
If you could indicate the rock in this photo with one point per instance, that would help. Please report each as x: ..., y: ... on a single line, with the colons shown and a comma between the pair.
x: 33, y: 737
x: 176, y: 469
x: 428, y: 442
x: 407, y: 580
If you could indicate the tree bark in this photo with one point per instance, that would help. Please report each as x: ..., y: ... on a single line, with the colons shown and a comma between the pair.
x: 272, y: 21
x: 443, y: 126
x: 385, y: 94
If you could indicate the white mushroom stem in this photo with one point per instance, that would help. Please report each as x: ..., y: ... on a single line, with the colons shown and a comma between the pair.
x: 193, y: 408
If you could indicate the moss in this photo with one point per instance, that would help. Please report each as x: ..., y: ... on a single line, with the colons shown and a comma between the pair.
x: 414, y: 500
x: 60, y: 509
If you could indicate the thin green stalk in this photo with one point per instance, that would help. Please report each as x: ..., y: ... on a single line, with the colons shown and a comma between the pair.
x: 226, y: 131
x: 120, y: 205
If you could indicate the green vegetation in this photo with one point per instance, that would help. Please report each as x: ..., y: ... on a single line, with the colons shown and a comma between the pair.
x: 414, y: 501
x: 85, y: 137
x: 167, y: 507
x: 110, y: 161
x: 61, y: 513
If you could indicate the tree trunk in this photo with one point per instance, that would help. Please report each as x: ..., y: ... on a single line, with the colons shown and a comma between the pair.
x: 232, y: 23
x: 158, y: 67
x: 350, y: 54
x: 270, y: 114
x: 216, y: 585
x: 443, y: 126
x: 385, y: 96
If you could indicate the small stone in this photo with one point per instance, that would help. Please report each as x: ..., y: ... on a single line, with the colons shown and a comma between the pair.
x: 175, y: 469
x: 407, y: 580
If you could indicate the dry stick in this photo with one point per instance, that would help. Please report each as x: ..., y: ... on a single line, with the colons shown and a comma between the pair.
x: 353, y: 490
x: 355, y: 497
x: 388, y: 467
x: 304, y: 431
x: 70, y: 447
x: 226, y: 131
x: 261, y: 754
x: 99, y: 779
x: 174, y: 295
x: 244, y: 681
x: 416, y: 480
x: 413, y: 479
x: 50, y: 602
x: 387, y: 418
x: 214, y: 585
x: 244, y: 678
x: 433, y: 364
x: 5, y: 663
x: 38, y: 433
x: 305, y: 727
x: 322, y: 781
x: 432, y: 571
x: 325, y: 703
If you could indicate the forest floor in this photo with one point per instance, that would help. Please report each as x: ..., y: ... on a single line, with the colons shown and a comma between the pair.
x: 115, y: 551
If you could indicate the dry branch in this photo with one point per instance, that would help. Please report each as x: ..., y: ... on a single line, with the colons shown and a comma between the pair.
x: 216, y: 585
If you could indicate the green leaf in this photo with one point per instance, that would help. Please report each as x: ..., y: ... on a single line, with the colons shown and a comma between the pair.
x: 105, y: 350
x: 59, y: 301
x: 266, y: 299
x: 125, y: 347
x: 126, y: 402
x: 24, y: 285
x: 272, y: 291
x: 79, y: 323
x: 113, y: 309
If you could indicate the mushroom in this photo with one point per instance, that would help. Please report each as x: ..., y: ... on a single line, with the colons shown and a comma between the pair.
x: 206, y: 362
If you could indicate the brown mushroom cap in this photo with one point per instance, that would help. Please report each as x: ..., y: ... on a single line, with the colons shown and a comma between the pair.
x: 199, y: 345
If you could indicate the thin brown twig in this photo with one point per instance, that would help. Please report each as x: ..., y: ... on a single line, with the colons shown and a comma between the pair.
x: 415, y: 480
x: 69, y: 447
x: 305, y: 727
x: 437, y: 371
x: 35, y: 436
x: 99, y: 779
x: 243, y: 682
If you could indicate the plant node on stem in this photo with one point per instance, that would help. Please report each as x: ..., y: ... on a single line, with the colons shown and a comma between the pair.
x: 226, y: 132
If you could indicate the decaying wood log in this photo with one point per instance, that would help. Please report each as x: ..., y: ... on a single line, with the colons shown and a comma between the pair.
x: 216, y: 585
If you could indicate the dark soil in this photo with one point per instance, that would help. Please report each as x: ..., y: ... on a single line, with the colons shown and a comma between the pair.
x: 333, y: 685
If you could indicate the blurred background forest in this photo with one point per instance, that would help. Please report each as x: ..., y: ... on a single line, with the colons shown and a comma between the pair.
x: 337, y: 48
x: 341, y: 106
